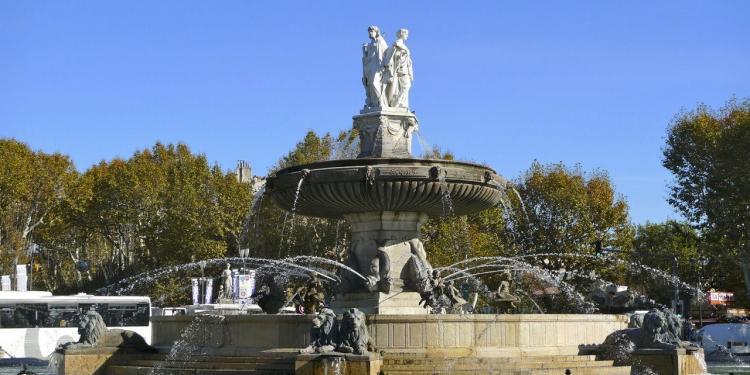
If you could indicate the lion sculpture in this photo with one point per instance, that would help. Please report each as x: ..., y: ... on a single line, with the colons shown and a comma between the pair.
x: 323, y: 333
x: 658, y: 331
x: 94, y: 333
x: 353, y: 333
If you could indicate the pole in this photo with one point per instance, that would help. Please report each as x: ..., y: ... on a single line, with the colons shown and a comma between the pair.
x: 700, y: 300
x: 676, y: 287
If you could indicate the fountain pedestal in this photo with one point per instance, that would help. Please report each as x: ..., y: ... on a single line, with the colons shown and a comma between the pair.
x: 385, y: 133
x: 385, y: 247
x: 394, y: 303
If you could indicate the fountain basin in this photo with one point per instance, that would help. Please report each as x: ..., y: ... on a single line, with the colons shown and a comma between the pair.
x: 333, y: 189
x: 444, y: 335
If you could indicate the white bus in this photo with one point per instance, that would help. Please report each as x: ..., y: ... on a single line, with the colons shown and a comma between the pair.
x: 33, y: 324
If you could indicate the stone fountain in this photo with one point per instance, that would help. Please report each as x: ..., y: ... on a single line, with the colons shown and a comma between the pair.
x: 386, y: 194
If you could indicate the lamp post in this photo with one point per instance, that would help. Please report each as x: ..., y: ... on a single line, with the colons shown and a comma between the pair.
x: 676, y: 286
x: 244, y: 253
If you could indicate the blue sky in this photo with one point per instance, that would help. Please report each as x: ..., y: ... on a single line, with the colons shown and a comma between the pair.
x: 505, y: 83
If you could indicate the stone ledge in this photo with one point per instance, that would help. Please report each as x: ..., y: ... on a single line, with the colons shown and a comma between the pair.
x: 487, y: 318
x: 338, y: 363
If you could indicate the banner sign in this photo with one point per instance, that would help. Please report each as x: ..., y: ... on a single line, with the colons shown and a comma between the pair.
x: 720, y: 298
x: 196, y: 291
x: 209, y: 291
x: 246, y: 284
x: 21, y: 283
x: 6, y: 283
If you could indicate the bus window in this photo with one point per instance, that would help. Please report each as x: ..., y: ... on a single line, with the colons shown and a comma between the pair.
x: 29, y: 316
x: 61, y: 316
x: 7, y: 316
x: 125, y: 315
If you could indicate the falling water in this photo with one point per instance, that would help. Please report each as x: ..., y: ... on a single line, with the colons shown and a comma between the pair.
x: 290, y: 236
x: 670, y: 279
x: 580, y: 304
x: 449, y: 211
x: 326, y: 261
x: 280, y: 267
x: 425, y: 146
x: 204, y: 331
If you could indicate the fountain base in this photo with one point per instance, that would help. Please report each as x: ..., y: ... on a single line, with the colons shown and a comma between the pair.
x: 436, y: 344
x: 671, y: 361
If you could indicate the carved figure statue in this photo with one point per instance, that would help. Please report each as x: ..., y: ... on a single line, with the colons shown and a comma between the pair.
x: 454, y: 295
x: 377, y: 274
x: 674, y: 325
x: 323, y: 333
x: 94, y: 333
x: 503, y: 297
x: 443, y: 297
x: 418, y: 269
x: 380, y: 268
x: 399, y: 71
x: 270, y: 295
x: 372, y: 69
x: 353, y: 332
x: 609, y: 300
x: 225, y: 290
x: 310, y: 297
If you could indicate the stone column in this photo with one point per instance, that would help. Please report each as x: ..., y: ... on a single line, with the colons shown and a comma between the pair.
x: 394, y: 234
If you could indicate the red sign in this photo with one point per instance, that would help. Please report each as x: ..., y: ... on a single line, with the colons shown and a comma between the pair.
x: 720, y: 298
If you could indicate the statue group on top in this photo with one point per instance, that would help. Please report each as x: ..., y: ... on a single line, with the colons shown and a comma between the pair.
x: 387, y: 72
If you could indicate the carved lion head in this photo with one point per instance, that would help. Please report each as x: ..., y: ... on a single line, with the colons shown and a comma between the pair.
x: 91, y: 327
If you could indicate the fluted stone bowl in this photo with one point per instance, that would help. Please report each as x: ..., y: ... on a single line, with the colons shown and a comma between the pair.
x: 332, y: 189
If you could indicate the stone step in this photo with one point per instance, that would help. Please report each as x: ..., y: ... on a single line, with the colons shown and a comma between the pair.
x: 136, y: 370
x: 436, y: 366
x: 412, y: 359
x: 573, y: 371
x: 215, y: 365
x: 260, y: 356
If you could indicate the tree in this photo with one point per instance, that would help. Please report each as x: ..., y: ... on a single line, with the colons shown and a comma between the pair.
x: 554, y: 209
x: 563, y: 210
x: 707, y: 151
x: 162, y: 206
x: 277, y: 233
x: 658, y: 246
x: 32, y: 185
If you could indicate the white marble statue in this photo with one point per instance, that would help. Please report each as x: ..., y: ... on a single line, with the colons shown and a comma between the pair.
x: 372, y: 69
x: 399, y: 72
x: 226, y: 283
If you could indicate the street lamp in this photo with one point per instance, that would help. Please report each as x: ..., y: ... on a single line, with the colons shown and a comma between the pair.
x: 244, y: 253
